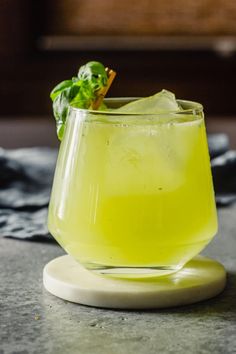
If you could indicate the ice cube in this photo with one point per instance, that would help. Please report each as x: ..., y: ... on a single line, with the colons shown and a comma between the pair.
x: 162, y: 102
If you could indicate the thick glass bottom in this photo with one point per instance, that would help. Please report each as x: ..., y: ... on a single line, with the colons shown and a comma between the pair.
x: 132, y: 272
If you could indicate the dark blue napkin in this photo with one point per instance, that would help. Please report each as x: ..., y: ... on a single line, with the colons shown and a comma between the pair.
x: 25, y: 183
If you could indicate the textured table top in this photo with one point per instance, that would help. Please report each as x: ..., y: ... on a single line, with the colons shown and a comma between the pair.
x: 33, y: 321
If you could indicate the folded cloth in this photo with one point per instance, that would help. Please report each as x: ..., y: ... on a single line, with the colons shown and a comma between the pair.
x: 223, y: 165
x: 25, y: 185
x: 218, y: 144
x: 20, y: 224
x: 26, y: 177
x: 224, y: 177
x: 26, y: 180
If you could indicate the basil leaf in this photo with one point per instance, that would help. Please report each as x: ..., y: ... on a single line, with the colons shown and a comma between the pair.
x: 60, y: 87
x: 79, y: 91
x: 60, y: 110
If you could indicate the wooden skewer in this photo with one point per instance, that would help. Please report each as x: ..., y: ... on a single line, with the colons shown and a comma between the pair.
x: 102, y: 93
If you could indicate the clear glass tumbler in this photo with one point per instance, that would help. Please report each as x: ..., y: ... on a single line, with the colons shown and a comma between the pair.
x: 133, y: 194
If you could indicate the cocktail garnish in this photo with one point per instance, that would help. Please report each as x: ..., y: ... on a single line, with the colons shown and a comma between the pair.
x: 86, y: 90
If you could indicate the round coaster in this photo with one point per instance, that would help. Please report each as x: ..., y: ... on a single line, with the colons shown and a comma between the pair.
x: 200, y: 279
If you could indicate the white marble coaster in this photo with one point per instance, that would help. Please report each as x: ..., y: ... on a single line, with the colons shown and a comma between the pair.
x: 200, y: 279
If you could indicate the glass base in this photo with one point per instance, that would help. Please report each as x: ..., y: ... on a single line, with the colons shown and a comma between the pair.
x: 132, y: 272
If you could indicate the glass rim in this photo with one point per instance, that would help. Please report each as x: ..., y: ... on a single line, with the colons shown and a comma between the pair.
x: 197, y: 108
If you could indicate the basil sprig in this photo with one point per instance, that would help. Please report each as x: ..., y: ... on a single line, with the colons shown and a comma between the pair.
x: 80, y: 92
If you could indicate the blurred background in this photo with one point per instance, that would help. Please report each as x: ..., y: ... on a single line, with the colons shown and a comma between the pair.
x: 188, y: 47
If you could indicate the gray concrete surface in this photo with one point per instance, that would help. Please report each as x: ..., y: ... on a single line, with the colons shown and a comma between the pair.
x: 33, y: 321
